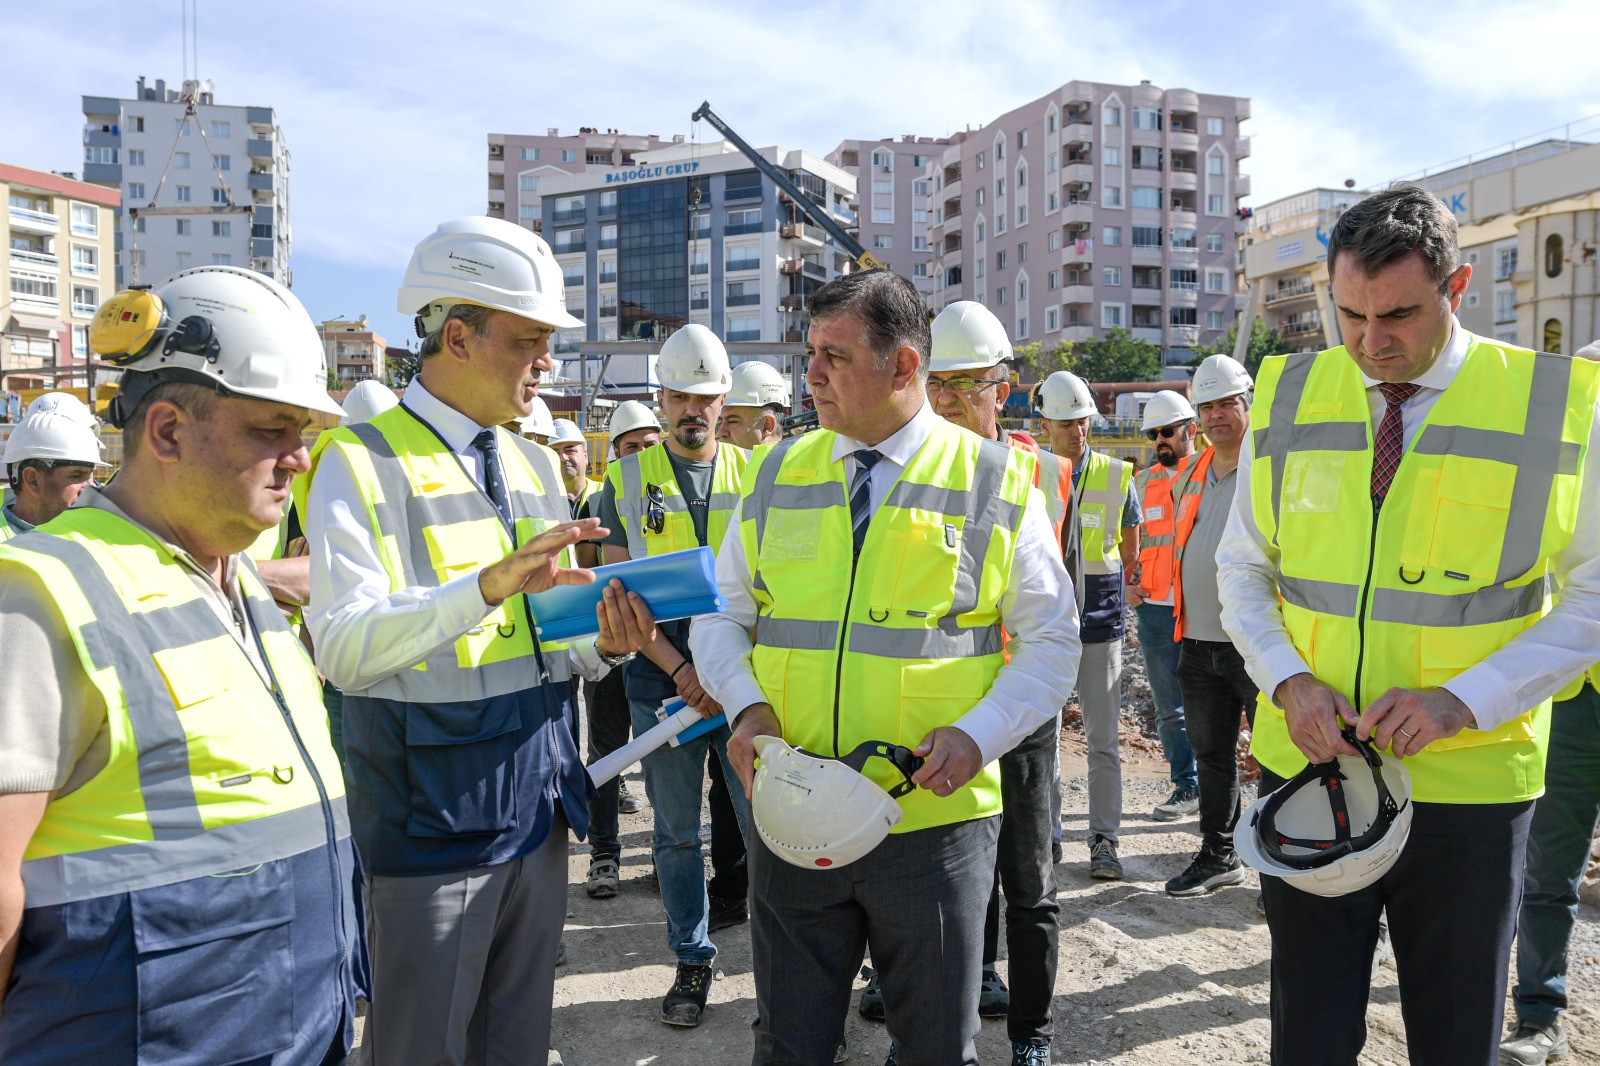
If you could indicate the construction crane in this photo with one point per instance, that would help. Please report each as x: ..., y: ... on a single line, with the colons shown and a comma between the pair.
x: 864, y: 259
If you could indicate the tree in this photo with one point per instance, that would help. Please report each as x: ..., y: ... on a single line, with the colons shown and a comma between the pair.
x: 1263, y: 342
x: 1040, y: 363
x: 402, y: 368
x: 1118, y: 356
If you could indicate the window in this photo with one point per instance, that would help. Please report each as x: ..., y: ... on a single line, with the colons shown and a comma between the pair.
x: 222, y: 162
x: 1147, y: 197
x: 180, y: 160
x: 182, y: 124
x: 85, y: 260
x: 608, y: 202
x: 1213, y: 242
x: 1112, y: 114
x: 1213, y: 164
x: 80, y: 340
x: 1022, y: 252
x: 222, y: 229
x: 183, y: 260
x: 528, y: 183
x: 1183, y: 279
x: 219, y: 196
x: 184, y: 194
x: 1146, y: 118
x: 1552, y: 336
x: 1111, y: 275
x: 978, y: 231
x: 138, y: 225
x: 1216, y: 281
x: 529, y: 212
x: 882, y: 240
x: 983, y: 196
x: 919, y: 243
x: 1214, y: 320
x: 1050, y: 163
x: 745, y: 221
x: 1214, y: 127
x: 85, y: 220
x: 1182, y: 316
x: 744, y: 327
x: 1146, y: 158
x: 1052, y: 280
x: 1553, y: 249
x: 1052, y: 320
x: 1505, y: 264
x: 183, y: 227
x: 221, y: 129
x: 572, y: 274
x: 1022, y: 214
x: 1506, y: 336
x: 530, y: 155
x: 35, y: 285
x: 744, y: 293
x: 881, y: 158
x: 1113, y: 196
x: 1111, y: 315
x: 920, y: 188
x: 1183, y: 238
x: 1022, y: 175
x: 136, y: 157
x: 1112, y: 157
x: 1111, y: 236
x: 1505, y: 306
x: 135, y: 123
x: 221, y: 259
x: 136, y: 190
x: 919, y: 161
x: 999, y: 150
x: 1000, y: 297
x: 1000, y: 260
x: 1147, y: 236
x: 919, y: 215
x: 1050, y: 122
x: 569, y: 155
x: 100, y: 155
x: 883, y: 186
x: 1214, y: 203
x: 999, y: 223
x: 980, y: 160
x: 1000, y: 186
x: 1022, y: 138
x: 883, y: 214
x: 85, y: 298
x: 1053, y: 242
x: 978, y: 270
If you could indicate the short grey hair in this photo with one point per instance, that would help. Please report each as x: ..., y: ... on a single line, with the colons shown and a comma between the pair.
x: 476, y: 318
x: 1390, y: 225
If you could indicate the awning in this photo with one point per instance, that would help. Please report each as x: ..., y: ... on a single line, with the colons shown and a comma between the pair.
x: 36, y: 323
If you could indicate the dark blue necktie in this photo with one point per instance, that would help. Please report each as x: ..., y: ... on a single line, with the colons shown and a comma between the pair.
x: 494, y: 478
x: 861, y: 495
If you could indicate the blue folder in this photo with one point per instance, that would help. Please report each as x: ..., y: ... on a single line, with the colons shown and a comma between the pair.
x: 675, y: 585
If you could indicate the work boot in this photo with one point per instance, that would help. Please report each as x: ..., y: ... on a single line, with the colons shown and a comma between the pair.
x: 627, y: 802
x: 1210, y: 870
x: 1026, y: 1053
x: 602, y: 880
x: 1180, y: 804
x: 1103, y: 861
x: 994, y: 998
x: 685, y: 1001
x: 725, y: 913
x: 1533, y: 1045
x: 871, y: 1005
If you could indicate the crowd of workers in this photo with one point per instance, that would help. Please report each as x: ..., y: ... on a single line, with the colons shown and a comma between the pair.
x: 1386, y: 558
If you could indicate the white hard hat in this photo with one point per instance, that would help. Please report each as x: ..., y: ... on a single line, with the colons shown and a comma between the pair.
x: 628, y: 416
x: 1164, y: 409
x: 1589, y: 351
x: 64, y: 404
x: 48, y: 435
x: 367, y: 400
x: 757, y: 384
x: 694, y: 361
x: 967, y: 336
x: 1334, y: 828
x: 819, y: 813
x: 232, y: 329
x: 1065, y: 396
x: 1219, y: 377
x: 539, y: 420
x: 485, y: 261
x: 566, y: 431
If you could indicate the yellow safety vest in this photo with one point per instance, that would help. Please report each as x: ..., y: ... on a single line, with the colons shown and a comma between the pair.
x: 1101, y: 495
x: 911, y: 640
x: 436, y: 523
x: 632, y: 477
x: 1456, y: 565
x: 209, y: 770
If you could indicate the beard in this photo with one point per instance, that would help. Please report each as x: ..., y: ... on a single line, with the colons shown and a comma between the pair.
x: 691, y: 434
x: 1166, y: 455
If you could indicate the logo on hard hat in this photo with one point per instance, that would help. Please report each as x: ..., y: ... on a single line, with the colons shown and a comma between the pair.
x: 702, y: 371
x: 464, y: 265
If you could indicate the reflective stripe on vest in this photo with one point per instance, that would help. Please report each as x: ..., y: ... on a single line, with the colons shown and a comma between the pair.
x: 631, y: 474
x: 911, y: 641
x: 1154, y: 486
x: 206, y: 771
x: 1101, y: 495
x: 1458, y: 561
x: 1052, y: 477
x: 436, y: 523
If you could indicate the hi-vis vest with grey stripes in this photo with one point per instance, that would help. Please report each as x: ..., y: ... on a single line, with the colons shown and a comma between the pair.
x: 633, y: 477
x: 1102, y: 492
x: 209, y: 769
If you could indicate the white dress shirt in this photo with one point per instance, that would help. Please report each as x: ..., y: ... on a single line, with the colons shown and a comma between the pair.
x: 363, y: 632
x: 1037, y: 609
x: 1529, y: 669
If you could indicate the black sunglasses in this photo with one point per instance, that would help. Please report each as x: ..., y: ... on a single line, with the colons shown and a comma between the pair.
x: 1165, y: 431
x: 655, y: 515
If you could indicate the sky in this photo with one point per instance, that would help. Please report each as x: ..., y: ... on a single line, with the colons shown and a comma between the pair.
x: 385, y: 104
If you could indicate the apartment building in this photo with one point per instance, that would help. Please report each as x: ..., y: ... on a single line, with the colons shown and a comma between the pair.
x: 1285, y: 251
x: 58, y: 267
x: 894, y: 223
x: 201, y: 182
x: 353, y: 351
x: 518, y: 162
x: 1096, y: 206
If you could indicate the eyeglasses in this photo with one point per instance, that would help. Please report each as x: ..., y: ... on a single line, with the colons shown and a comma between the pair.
x: 962, y: 385
x: 655, y: 515
x: 1166, y: 432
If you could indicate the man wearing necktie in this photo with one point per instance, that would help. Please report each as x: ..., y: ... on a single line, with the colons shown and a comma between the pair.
x: 1404, y: 502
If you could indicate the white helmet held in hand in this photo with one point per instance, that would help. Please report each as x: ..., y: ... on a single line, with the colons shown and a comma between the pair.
x: 566, y: 431
x: 757, y: 384
x: 485, y: 261
x: 821, y: 814
x: 1165, y: 409
x: 693, y: 360
x: 64, y: 404
x: 628, y: 416
x: 1065, y: 397
x: 538, y: 421
x: 967, y: 336
x: 55, y: 437
x: 225, y: 327
x: 1219, y: 377
x: 367, y: 400
x: 1334, y: 828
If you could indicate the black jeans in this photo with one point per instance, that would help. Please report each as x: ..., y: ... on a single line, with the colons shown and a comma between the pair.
x: 610, y: 723
x: 729, y: 878
x: 1451, y: 898
x: 1216, y: 690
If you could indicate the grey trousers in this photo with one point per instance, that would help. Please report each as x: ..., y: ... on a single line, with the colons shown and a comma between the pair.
x: 463, y: 964
x: 920, y: 897
x: 1100, y: 696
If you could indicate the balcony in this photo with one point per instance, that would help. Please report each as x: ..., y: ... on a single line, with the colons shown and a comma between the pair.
x: 1184, y: 140
x: 569, y: 216
x: 1077, y: 133
x: 1183, y: 101
x: 792, y: 302
x: 1151, y: 334
x: 699, y: 268
x: 952, y: 242
x: 796, y: 231
x: 1077, y: 175
x: 1080, y: 212
x: 565, y: 247
x: 733, y: 229
x: 1183, y: 180
x: 35, y: 260
x: 699, y: 303
x: 734, y: 265
x: 951, y: 210
x: 1186, y: 253
x: 1077, y: 294
x: 608, y: 310
x: 1241, y: 301
x: 86, y: 270
x: 744, y: 299
x: 1072, y: 255
x: 27, y: 220
x: 1241, y: 185
x: 1075, y: 333
x: 1147, y: 254
x: 1241, y: 109
x: 83, y: 310
x: 1300, y: 327
x: 607, y: 211
x: 790, y: 266
x: 1182, y: 216
x: 1184, y: 334
x: 951, y: 191
x: 1183, y: 294
x: 1296, y: 290
x: 1241, y: 148
x: 259, y: 148
x: 748, y: 192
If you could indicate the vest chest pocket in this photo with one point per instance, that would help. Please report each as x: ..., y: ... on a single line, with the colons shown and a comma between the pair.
x: 1313, y: 482
x: 223, y: 743
x: 1470, y: 514
x: 917, y: 567
x: 461, y: 766
x: 792, y: 536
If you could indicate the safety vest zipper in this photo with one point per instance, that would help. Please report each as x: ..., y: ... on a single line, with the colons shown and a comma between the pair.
x: 844, y: 642
x: 1361, y: 610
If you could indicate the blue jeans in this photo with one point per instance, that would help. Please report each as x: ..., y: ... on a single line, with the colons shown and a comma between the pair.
x: 1161, y: 667
x: 675, y: 779
x: 1564, y: 821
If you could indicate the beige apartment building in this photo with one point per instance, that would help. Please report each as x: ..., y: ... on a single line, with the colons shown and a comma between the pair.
x: 895, y: 193
x: 60, y: 263
x: 353, y: 351
x: 519, y: 162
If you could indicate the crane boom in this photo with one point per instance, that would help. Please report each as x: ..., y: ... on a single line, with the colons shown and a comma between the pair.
x: 864, y: 259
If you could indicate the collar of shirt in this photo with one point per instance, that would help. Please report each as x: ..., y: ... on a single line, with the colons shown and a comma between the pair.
x: 456, y: 428
x: 1080, y: 466
x: 1444, y: 369
x: 93, y: 497
x: 15, y: 521
x: 899, y: 446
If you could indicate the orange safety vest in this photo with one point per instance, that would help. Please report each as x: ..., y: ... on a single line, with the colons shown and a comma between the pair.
x: 1058, y: 497
x: 1186, y: 491
x: 1156, y: 539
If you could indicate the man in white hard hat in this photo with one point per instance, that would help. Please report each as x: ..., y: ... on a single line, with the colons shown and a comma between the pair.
x: 1102, y: 550
x: 1404, y: 502
x: 53, y: 403
x: 633, y: 428
x: 754, y: 407
x: 538, y: 424
x: 430, y: 526
x: 50, y: 459
x: 177, y: 856
x: 1169, y: 423
x: 872, y: 536
x: 367, y: 400
x: 1215, y: 685
x: 968, y: 383
x: 676, y: 496
x: 572, y: 448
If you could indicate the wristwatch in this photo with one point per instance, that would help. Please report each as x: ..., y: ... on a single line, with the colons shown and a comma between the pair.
x: 614, y: 661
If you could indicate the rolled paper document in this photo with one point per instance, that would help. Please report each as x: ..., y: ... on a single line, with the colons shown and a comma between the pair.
x: 609, y: 766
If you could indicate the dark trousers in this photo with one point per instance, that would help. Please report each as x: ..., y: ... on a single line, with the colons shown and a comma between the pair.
x: 1451, y: 900
x: 1216, y: 690
x: 920, y: 898
x: 730, y: 880
x: 1564, y: 822
x: 610, y: 723
x: 1025, y: 870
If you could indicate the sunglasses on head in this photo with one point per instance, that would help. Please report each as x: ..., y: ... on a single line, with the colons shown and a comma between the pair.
x: 655, y: 515
x: 1165, y: 432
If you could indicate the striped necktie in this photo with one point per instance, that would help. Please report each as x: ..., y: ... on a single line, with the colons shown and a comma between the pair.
x: 1389, y: 445
x: 494, y: 481
x: 861, y: 495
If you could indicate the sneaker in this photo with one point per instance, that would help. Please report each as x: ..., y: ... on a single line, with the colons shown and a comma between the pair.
x: 1103, y: 861
x: 627, y: 802
x: 842, y: 1052
x: 1024, y: 1053
x: 1180, y: 804
x: 1209, y: 870
x: 871, y: 1005
x: 890, y: 1061
x: 685, y: 1001
x: 726, y: 912
x: 553, y: 1059
x: 1532, y: 1045
x: 994, y: 998
x: 602, y: 880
